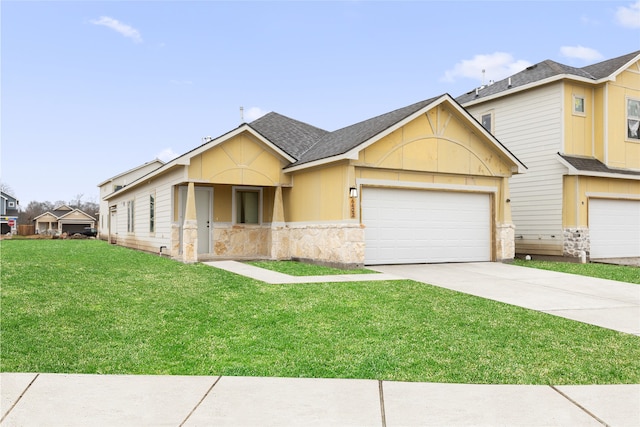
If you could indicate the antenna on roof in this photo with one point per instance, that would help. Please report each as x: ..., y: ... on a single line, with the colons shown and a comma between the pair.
x: 483, y: 70
x: 241, y: 115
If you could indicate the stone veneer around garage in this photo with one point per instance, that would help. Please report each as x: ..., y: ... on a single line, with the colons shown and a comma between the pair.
x: 575, y: 241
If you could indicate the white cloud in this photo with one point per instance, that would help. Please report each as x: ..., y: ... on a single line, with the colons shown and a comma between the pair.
x: 580, y: 52
x: 253, y: 113
x: 497, y: 66
x: 117, y: 26
x: 629, y: 16
x: 167, y: 155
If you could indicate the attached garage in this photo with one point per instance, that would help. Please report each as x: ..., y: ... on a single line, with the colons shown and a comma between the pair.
x: 614, y: 228
x: 404, y: 226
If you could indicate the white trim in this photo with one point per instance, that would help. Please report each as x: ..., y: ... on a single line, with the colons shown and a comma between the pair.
x: 367, y: 182
x: 354, y: 152
x: 612, y: 196
x: 552, y: 79
x: 185, y: 159
x: 605, y: 124
x: 573, y: 171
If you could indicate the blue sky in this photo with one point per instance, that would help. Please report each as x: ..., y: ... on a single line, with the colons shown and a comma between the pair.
x: 90, y: 89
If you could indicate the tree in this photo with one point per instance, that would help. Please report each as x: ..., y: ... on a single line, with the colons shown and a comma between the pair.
x: 6, y: 189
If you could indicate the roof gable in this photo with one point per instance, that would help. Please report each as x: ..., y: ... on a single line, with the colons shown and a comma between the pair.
x: 292, y: 136
x: 546, y: 71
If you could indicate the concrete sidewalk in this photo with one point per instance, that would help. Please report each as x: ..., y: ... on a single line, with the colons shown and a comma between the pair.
x: 605, y: 303
x: 115, y: 400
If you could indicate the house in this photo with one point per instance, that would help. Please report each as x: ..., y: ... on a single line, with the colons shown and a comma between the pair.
x: 577, y: 131
x: 115, y: 183
x: 423, y: 183
x: 8, y: 213
x: 63, y: 219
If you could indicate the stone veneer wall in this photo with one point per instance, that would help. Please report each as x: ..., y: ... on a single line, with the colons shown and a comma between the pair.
x: 576, y: 240
x: 242, y: 241
x: 505, y: 242
x: 327, y: 243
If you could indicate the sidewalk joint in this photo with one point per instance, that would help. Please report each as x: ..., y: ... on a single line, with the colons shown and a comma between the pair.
x: 382, y: 413
x: 200, y: 401
x: 591, y: 414
x: 19, y: 397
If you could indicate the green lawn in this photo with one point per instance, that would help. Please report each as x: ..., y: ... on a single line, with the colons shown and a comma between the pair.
x: 293, y: 268
x: 620, y: 273
x: 83, y: 306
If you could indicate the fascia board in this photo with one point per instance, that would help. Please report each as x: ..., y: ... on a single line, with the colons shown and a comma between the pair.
x: 552, y: 79
x: 576, y: 172
x: 620, y: 70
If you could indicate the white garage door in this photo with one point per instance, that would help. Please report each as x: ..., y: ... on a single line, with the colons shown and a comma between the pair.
x: 614, y: 228
x: 416, y: 226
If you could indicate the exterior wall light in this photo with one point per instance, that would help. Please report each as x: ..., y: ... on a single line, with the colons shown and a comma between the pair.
x: 353, y: 192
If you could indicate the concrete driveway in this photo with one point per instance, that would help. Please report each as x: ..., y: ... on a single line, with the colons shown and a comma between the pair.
x: 606, y: 303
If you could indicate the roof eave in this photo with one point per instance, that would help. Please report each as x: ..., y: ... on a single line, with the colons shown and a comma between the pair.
x: 517, y: 89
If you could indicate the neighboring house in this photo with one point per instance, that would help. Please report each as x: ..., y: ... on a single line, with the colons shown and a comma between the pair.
x: 424, y: 183
x: 8, y: 213
x: 577, y: 131
x: 115, y: 183
x: 63, y: 219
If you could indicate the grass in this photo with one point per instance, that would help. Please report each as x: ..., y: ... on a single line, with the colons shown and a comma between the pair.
x: 621, y: 273
x: 294, y: 268
x: 83, y: 306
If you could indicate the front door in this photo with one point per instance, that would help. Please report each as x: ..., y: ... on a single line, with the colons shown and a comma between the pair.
x: 113, y: 226
x: 204, y: 202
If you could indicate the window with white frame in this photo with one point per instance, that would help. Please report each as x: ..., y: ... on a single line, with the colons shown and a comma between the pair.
x: 633, y: 119
x: 130, y: 217
x: 247, y: 205
x: 487, y: 121
x: 152, y: 213
x: 578, y: 105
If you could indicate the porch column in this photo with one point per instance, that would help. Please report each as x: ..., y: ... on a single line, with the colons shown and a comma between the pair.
x: 190, y: 228
x: 279, y: 233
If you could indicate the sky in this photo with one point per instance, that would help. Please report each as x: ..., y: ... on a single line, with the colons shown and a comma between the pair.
x: 90, y: 89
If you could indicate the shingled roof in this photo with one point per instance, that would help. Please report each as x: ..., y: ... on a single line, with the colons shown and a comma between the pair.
x: 291, y: 136
x: 589, y: 164
x: 547, y: 69
x: 307, y: 143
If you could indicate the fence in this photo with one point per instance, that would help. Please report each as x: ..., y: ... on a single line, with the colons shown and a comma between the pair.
x: 26, y: 230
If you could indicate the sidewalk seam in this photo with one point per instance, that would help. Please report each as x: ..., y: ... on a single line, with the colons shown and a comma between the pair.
x: 382, y: 412
x: 19, y: 398
x: 200, y: 401
x: 591, y: 414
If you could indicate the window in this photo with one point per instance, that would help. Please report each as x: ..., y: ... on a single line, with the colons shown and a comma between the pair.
x: 117, y: 187
x: 633, y: 119
x: 152, y: 213
x: 578, y: 105
x: 487, y: 121
x: 130, y: 217
x: 12, y: 205
x: 248, y: 205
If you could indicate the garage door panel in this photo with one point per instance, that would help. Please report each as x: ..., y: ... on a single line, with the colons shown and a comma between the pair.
x: 614, y: 228
x: 415, y: 226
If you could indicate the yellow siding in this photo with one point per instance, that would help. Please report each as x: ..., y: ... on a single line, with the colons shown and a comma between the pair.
x: 439, y: 141
x: 578, y: 138
x: 242, y: 160
x: 622, y: 153
x: 318, y: 194
x: 576, y: 188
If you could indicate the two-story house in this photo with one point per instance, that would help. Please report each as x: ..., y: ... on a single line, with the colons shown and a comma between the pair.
x: 576, y: 129
x: 8, y: 213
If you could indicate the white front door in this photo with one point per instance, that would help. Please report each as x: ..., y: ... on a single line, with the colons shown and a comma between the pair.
x: 204, y: 202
